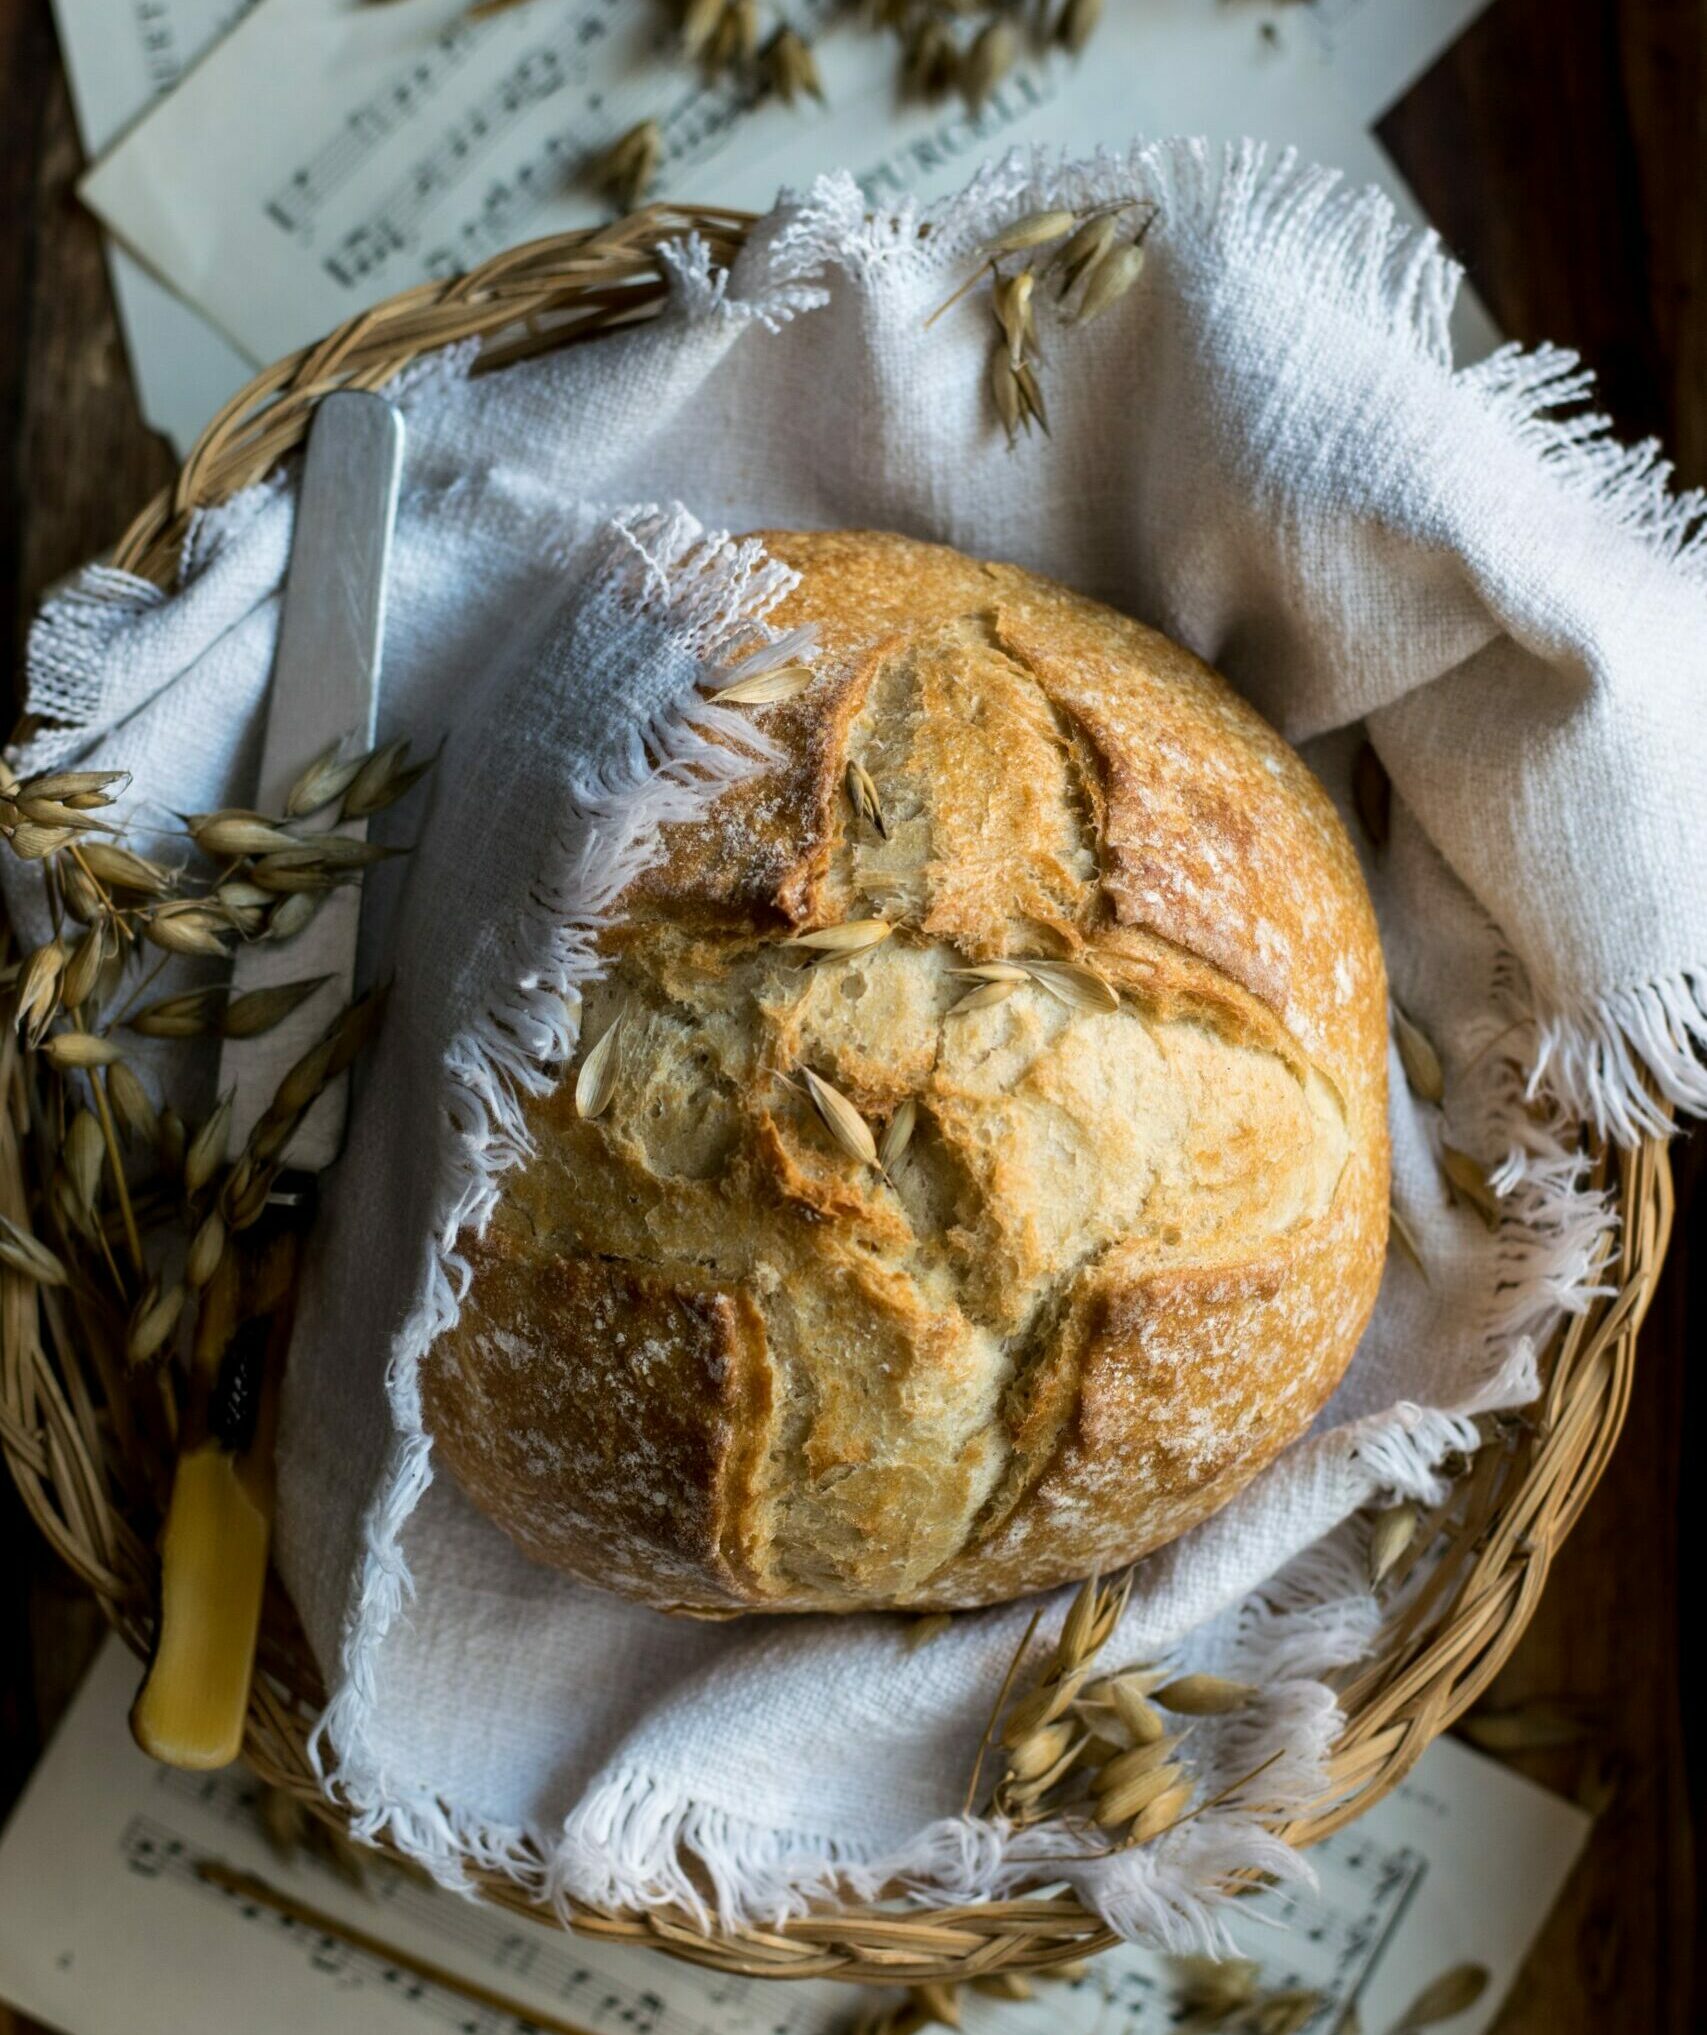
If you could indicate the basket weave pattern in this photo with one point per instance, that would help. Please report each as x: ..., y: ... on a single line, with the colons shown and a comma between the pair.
x: 99, y: 1506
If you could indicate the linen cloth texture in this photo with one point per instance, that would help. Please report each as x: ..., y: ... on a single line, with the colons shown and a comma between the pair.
x: 1264, y: 450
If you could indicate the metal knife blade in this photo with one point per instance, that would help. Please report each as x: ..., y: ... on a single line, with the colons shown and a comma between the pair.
x: 324, y: 690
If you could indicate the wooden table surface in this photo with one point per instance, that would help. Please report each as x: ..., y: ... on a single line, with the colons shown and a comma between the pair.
x: 1561, y: 147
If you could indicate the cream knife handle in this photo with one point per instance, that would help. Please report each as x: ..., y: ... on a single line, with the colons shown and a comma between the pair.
x: 194, y: 1700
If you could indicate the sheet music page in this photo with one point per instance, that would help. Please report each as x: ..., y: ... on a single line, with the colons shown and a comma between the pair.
x: 121, y: 56
x: 325, y: 155
x: 120, y: 1915
x: 1379, y: 48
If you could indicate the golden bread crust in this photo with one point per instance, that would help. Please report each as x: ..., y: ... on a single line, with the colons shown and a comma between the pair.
x: 710, y: 1360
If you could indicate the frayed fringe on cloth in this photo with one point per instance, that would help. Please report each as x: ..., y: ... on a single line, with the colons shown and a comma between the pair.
x: 1595, y: 1056
x: 636, y: 1844
x: 69, y: 663
x: 708, y: 596
x: 632, y: 1844
x: 1603, y: 1058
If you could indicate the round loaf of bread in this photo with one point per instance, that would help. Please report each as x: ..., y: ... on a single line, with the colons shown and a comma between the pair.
x: 714, y: 1358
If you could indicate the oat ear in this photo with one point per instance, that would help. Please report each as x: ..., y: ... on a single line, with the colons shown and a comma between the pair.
x: 596, y: 1082
x: 985, y: 997
x: 852, y: 936
x: 1423, y: 1075
x: 898, y: 1135
x: 1079, y: 987
x: 844, y: 1123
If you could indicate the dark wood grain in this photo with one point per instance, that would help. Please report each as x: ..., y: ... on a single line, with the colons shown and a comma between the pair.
x: 1562, y: 148
x: 78, y: 461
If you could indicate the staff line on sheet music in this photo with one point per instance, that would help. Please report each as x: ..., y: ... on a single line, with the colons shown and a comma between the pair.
x: 538, y: 75
x: 248, y: 1886
x: 401, y: 1892
x: 322, y: 197
x: 548, y: 1960
x: 1336, y: 1944
x: 294, y: 203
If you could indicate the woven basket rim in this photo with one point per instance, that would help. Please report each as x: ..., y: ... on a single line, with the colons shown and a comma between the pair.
x: 1501, y: 1525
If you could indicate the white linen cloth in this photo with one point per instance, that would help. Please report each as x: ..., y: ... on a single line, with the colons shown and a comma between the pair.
x: 1264, y: 450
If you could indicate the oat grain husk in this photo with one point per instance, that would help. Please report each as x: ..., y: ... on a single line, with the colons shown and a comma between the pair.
x: 1205, y: 1696
x: 78, y: 1050
x: 985, y: 997
x: 766, y: 688
x: 1423, y: 1074
x: 898, y: 1135
x: 862, y: 796
x: 1394, y: 1530
x: 852, y: 936
x: 596, y: 1082
x: 1469, y: 1182
x: 1400, y: 1232
x: 1453, y: 1993
x: 1079, y: 987
x: 844, y: 1123
x: 28, y: 1256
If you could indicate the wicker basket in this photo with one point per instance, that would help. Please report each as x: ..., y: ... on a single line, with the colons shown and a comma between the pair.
x: 1497, y: 1532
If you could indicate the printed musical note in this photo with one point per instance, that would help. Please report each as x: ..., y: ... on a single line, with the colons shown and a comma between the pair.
x: 158, y: 34
x: 296, y: 202
x: 1325, y: 1939
x: 150, y: 1849
x: 702, y: 115
x: 621, y: 1998
x: 118, y: 1879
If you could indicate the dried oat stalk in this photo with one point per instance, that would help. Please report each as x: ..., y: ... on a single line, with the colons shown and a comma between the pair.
x: 128, y: 1188
x: 1040, y: 1739
x: 1096, y: 256
x: 1104, y: 1750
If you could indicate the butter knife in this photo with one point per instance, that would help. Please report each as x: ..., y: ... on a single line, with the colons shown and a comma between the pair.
x: 190, y: 1710
x: 325, y: 690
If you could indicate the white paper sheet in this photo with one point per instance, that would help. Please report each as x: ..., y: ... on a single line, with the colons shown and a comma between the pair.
x: 1377, y: 49
x: 326, y: 155
x: 110, y: 1926
x: 121, y: 56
